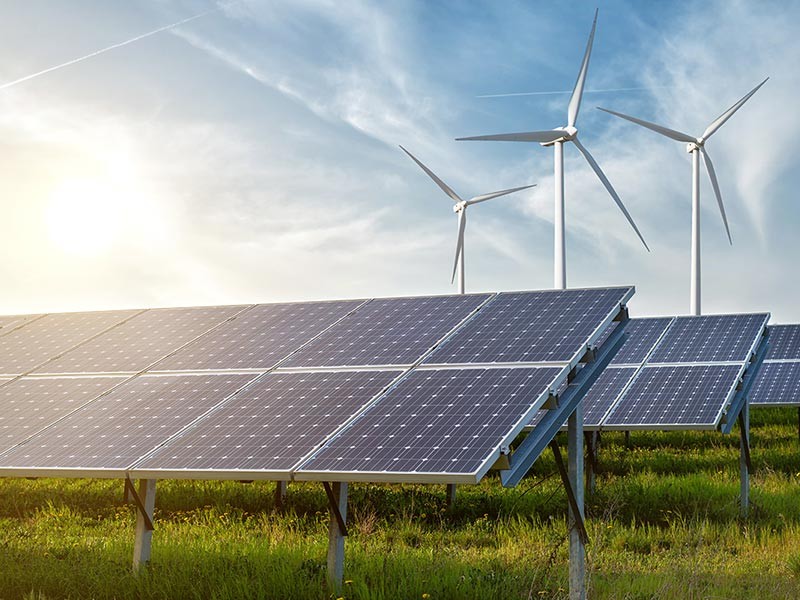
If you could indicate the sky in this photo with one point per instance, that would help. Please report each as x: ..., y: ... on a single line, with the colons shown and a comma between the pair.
x: 251, y: 154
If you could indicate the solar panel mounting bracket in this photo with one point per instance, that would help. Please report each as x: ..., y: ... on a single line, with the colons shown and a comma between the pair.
x: 334, y: 507
x: 571, y: 497
x: 580, y: 380
x: 734, y: 410
x: 131, y: 492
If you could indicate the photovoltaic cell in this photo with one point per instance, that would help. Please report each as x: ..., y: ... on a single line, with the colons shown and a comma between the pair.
x: 141, y: 341
x: 23, y: 349
x: 273, y: 423
x: 30, y: 404
x: 640, y: 337
x: 603, y: 393
x: 712, y: 338
x: 550, y: 326
x: 437, y: 421
x: 122, y: 426
x: 690, y: 396
x: 9, y: 323
x: 396, y: 331
x: 259, y: 337
x: 776, y: 384
x: 784, y: 342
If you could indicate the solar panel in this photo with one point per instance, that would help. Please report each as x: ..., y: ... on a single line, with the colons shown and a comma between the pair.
x: 713, y: 338
x: 690, y: 396
x: 115, y: 430
x: 9, y: 323
x: 141, y: 341
x: 259, y: 337
x: 25, y: 348
x: 31, y: 403
x: 777, y: 383
x: 442, y: 421
x: 640, y: 337
x: 271, y: 425
x: 549, y: 326
x: 784, y: 342
x: 394, y: 331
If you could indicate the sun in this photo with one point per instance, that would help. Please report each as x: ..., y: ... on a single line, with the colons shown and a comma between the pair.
x: 83, y: 216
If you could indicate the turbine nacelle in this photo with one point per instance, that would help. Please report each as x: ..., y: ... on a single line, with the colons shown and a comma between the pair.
x: 460, y: 206
x: 570, y: 133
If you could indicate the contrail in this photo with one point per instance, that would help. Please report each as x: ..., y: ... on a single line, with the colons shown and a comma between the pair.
x: 96, y: 52
x: 625, y: 89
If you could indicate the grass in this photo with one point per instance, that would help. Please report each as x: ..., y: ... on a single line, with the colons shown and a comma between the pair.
x: 663, y: 524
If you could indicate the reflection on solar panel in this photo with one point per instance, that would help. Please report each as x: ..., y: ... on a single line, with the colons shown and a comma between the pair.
x: 29, y: 404
x: 141, y: 341
x: 641, y: 336
x: 120, y: 427
x: 784, y: 342
x: 777, y: 384
x: 709, y: 339
x: 546, y: 326
x: 259, y: 337
x: 437, y: 421
x: 43, y: 339
x: 684, y: 396
x: 395, y: 331
x: 272, y: 424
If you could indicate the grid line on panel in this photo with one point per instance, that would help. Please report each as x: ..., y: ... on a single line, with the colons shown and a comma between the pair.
x: 30, y: 361
x: 389, y: 331
x: 272, y: 425
x: 260, y: 337
x: 142, y: 341
x: 11, y: 323
x: 549, y: 326
x: 446, y: 421
x: 115, y: 430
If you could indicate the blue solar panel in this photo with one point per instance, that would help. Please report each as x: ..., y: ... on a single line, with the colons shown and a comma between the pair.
x: 673, y: 397
x: 393, y: 331
x: 603, y: 393
x: 259, y: 337
x: 549, y: 326
x: 640, y: 337
x: 714, y: 338
x: 115, y: 430
x: 437, y: 421
x: 776, y: 384
x: 784, y: 342
x: 272, y: 424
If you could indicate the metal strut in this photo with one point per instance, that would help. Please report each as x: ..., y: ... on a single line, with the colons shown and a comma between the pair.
x: 573, y: 502
x: 745, y: 442
x: 333, y: 505
x: 130, y: 492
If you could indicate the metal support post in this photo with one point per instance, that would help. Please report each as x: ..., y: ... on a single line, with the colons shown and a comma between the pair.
x: 337, y: 531
x: 451, y: 494
x: 577, y: 532
x: 145, y: 501
x: 627, y: 439
x: 280, y: 493
x: 744, y: 459
x: 592, y: 440
x: 798, y: 423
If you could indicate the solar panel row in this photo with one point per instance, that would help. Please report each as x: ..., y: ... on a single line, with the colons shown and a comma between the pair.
x: 778, y: 381
x: 432, y: 422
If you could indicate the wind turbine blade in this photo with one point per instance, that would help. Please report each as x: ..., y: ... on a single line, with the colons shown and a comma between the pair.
x: 609, y: 187
x: 528, y: 136
x: 712, y: 175
x: 485, y: 197
x: 729, y: 113
x: 577, y: 91
x: 462, y: 223
x: 445, y: 188
x: 670, y: 133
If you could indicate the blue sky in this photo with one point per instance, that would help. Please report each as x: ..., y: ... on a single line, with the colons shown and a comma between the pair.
x: 251, y: 155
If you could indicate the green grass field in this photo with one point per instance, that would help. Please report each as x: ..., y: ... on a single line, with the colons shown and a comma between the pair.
x: 663, y: 524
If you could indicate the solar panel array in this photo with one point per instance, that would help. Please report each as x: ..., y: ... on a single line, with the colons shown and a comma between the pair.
x: 390, y: 389
x: 778, y: 381
x: 674, y: 372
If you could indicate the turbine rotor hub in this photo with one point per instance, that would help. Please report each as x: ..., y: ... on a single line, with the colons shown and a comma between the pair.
x: 570, y: 133
x: 459, y: 206
x: 692, y: 146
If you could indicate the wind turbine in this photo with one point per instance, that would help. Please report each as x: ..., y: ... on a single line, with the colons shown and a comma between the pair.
x: 556, y: 138
x: 460, y: 208
x: 696, y: 147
